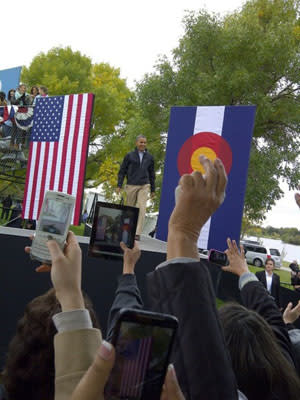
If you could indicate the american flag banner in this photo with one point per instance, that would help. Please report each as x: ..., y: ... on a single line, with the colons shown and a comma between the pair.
x: 58, y: 150
x: 135, y: 367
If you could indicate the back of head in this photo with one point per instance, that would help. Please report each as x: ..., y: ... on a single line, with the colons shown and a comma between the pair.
x: 261, y: 370
x: 29, y: 370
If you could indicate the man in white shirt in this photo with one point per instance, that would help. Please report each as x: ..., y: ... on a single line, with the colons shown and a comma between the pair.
x: 270, y: 280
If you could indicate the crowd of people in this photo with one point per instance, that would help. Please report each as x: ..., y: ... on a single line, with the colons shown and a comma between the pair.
x: 241, y: 351
x: 19, y: 97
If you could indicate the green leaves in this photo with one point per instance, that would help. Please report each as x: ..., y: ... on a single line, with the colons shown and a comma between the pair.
x: 247, y: 57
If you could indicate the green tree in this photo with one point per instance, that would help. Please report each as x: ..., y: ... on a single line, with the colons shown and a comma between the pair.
x: 61, y: 70
x: 64, y: 71
x: 248, y: 57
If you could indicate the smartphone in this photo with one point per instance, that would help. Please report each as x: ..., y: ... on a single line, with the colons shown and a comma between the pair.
x: 143, y: 342
x: 112, y: 224
x: 218, y: 257
x: 54, y: 221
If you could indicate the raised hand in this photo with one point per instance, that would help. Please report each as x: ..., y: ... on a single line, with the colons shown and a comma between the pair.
x: 237, y: 262
x: 130, y: 258
x: 65, y: 272
x: 198, y: 198
x: 290, y: 314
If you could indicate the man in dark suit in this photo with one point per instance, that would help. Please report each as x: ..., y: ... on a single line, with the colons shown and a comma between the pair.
x: 270, y: 280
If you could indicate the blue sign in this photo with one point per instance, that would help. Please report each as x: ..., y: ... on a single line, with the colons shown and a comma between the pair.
x: 216, y: 132
x: 9, y: 79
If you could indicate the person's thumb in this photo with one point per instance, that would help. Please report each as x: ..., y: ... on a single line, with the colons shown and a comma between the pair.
x: 54, y: 250
x: 172, y: 389
x: 123, y: 246
x: 91, y: 385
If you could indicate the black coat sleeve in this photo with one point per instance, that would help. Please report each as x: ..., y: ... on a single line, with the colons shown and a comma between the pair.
x: 127, y: 296
x: 277, y: 292
x: 123, y: 170
x: 200, y: 356
x: 256, y: 297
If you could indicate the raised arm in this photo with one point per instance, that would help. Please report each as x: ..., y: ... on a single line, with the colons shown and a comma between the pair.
x: 76, y: 342
x: 127, y: 294
x: 181, y: 286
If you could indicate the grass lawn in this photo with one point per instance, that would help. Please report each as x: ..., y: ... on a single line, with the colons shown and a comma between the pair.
x: 78, y: 230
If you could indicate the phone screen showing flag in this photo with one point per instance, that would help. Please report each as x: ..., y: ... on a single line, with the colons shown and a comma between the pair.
x: 141, y: 360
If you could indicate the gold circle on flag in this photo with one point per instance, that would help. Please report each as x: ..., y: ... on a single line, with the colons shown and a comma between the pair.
x: 205, y: 151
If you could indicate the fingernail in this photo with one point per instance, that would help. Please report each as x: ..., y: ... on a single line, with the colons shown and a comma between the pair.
x: 105, y: 351
x: 171, y: 369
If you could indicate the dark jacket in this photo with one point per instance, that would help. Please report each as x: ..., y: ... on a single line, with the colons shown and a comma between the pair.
x: 127, y: 296
x: 275, y: 287
x: 136, y: 172
x: 256, y: 297
x: 200, y: 357
x: 201, y: 360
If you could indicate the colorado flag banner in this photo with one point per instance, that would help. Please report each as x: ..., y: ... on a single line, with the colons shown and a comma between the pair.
x: 58, y: 150
x: 223, y: 132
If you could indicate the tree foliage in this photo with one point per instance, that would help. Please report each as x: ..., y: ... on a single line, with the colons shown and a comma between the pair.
x: 64, y: 71
x: 286, y: 235
x: 248, y: 57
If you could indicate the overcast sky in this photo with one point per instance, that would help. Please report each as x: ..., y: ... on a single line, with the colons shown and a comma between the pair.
x: 129, y: 35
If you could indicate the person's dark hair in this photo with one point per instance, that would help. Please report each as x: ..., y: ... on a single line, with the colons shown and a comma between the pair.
x: 29, y: 370
x: 261, y: 370
x: 10, y: 95
x: 140, y: 137
x: 270, y: 259
x: 44, y: 89
x: 2, y: 96
x: 36, y: 88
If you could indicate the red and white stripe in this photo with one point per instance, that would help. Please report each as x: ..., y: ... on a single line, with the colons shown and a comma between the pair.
x: 60, y: 166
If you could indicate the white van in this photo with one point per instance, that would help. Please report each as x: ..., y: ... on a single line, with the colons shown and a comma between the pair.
x: 257, y: 255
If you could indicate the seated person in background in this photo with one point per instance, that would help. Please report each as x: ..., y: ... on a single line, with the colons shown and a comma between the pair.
x: 270, y: 280
x: 257, y: 338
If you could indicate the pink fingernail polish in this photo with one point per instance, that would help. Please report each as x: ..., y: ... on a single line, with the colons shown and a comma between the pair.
x: 105, y: 350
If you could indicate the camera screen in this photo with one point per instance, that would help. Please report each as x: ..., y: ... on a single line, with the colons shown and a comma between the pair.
x: 112, y: 224
x: 141, y: 361
x: 55, y: 216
